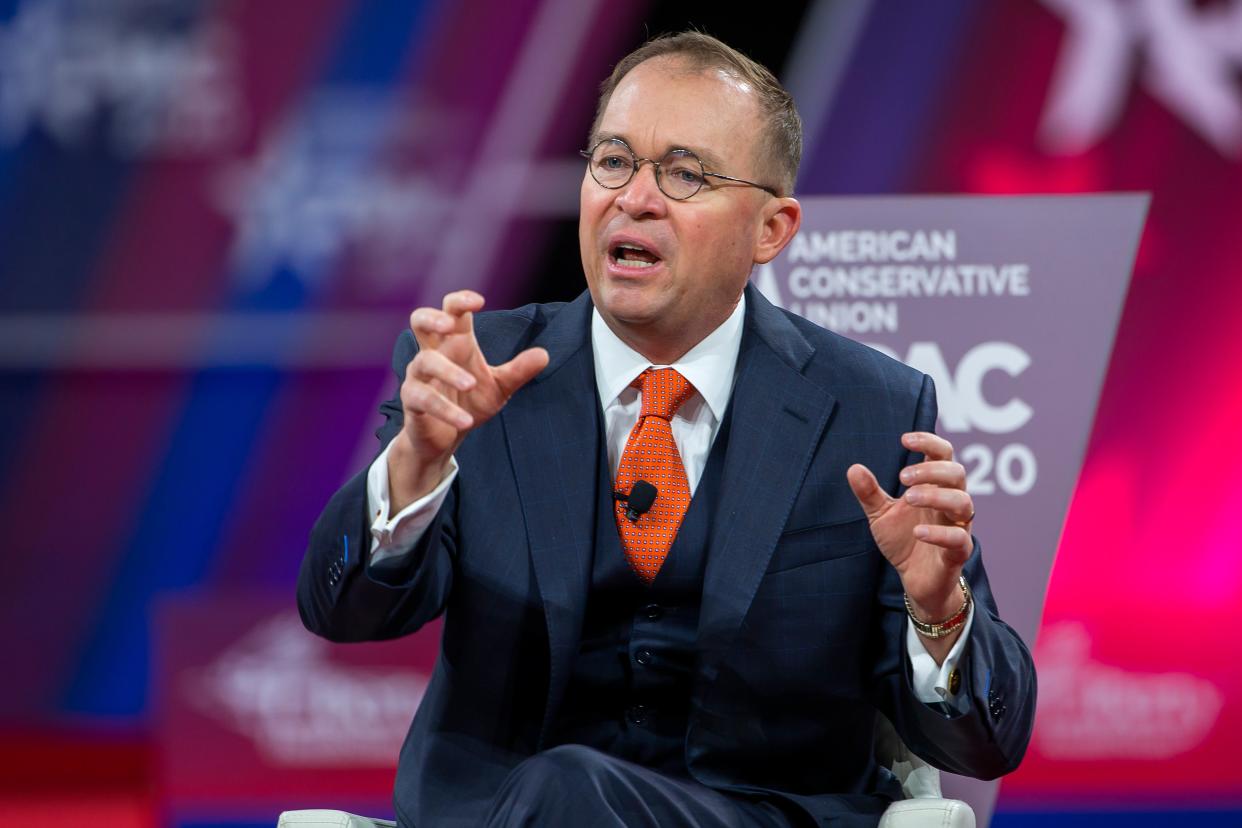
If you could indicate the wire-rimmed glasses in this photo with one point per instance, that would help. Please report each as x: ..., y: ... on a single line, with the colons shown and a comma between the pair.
x: 679, y: 174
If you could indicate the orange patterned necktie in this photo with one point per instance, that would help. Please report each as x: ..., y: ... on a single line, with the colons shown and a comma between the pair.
x: 650, y: 454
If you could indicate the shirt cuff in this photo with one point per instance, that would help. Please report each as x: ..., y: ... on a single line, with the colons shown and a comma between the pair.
x: 396, y: 535
x: 931, y: 680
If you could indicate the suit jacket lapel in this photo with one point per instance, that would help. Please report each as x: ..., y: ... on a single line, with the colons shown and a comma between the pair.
x: 778, y: 417
x: 551, y: 427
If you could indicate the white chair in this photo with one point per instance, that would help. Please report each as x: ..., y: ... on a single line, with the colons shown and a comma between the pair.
x: 925, y: 806
x: 318, y: 818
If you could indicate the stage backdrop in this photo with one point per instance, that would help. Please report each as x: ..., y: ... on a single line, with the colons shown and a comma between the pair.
x: 215, y: 216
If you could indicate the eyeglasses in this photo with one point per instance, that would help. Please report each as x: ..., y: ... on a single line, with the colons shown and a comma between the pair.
x: 679, y: 174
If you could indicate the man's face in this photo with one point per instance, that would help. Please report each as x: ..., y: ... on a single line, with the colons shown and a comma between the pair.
x: 696, y: 254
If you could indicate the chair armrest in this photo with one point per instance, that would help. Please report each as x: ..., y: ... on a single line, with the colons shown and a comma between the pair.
x: 322, y: 818
x: 928, y: 813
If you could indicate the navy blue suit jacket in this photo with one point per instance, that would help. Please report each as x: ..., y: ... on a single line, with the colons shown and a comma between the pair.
x: 801, y: 636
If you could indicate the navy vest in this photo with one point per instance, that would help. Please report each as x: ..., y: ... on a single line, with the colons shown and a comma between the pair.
x: 629, y: 692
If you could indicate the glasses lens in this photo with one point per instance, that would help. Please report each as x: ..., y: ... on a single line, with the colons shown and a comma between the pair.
x: 612, y: 163
x: 681, y: 174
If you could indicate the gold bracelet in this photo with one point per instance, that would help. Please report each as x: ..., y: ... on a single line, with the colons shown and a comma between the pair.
x: 949, y: 625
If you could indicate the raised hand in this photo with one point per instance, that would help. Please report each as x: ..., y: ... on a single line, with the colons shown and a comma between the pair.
x: 924, y: 534
x: 448, y: 390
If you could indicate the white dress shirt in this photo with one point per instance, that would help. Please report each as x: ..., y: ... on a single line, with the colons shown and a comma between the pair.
x: 710, y: 367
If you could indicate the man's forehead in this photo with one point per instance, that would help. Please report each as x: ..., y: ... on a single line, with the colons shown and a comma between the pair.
x: 712, y: 109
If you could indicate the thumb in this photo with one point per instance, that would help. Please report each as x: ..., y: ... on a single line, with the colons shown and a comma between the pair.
x: 520, y: 370
x: 867, y: 489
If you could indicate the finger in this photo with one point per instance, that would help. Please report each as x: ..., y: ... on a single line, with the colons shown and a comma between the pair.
x: 867, y: 489
x: 938, y: 472
x: 434, y: 365
x: 954, y: 504
x: 520, y: 370
x: 461, y: 306
x: 463, y: 301
x: 933, y: 446
x: 954, y: 540
x: 429, y: 325
x: 421, y: 398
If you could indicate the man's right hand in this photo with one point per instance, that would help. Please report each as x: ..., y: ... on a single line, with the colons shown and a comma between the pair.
x: 448, y: 389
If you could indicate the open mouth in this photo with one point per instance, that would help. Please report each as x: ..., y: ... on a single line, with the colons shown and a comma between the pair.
x: 628, y: 254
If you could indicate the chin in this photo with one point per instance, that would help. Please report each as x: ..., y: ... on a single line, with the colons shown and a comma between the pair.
x: 632, y: 305
x: 633, y: 316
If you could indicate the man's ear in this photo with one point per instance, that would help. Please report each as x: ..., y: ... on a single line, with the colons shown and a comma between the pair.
x: 781, y: 219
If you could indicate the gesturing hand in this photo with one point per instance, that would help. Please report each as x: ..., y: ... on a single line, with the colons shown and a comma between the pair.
x: 924, y: 534
x: 448, y: 389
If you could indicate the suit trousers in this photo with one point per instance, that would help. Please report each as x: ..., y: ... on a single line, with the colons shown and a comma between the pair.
x: 574, y: 785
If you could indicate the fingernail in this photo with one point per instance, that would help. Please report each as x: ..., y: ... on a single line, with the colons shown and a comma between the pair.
x: 914, y: 497
x: 921, y: 532
x: 907, y: 475
x: 465, y: 383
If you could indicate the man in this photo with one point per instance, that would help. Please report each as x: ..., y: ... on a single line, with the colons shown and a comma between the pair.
x: 717, y: 655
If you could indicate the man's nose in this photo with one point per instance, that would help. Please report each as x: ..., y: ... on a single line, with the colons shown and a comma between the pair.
x: 642, y: 195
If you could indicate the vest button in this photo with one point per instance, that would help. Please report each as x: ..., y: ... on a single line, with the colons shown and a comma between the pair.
x: 653, y: 612
x: 643, y: 657
x: 636, y: 714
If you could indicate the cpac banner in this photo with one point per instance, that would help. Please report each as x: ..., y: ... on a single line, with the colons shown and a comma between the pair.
x: 1010, y: 304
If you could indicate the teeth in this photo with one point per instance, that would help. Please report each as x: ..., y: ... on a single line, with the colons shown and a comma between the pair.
x: 622, y: 260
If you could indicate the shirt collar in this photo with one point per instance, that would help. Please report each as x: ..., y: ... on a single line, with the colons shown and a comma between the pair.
x: 708, y: 366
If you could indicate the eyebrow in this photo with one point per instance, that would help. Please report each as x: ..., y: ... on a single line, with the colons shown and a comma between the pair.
x: 710, y: 161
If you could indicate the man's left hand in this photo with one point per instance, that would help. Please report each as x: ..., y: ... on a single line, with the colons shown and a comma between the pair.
x: 924, y: 534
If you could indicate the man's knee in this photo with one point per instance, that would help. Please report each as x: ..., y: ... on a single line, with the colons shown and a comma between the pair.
x: 551, y: 785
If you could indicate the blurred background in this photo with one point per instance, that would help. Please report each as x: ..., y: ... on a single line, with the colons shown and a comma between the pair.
x: 215, y: 217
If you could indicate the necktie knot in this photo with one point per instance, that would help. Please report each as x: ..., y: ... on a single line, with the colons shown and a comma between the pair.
x: 664, y: 390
